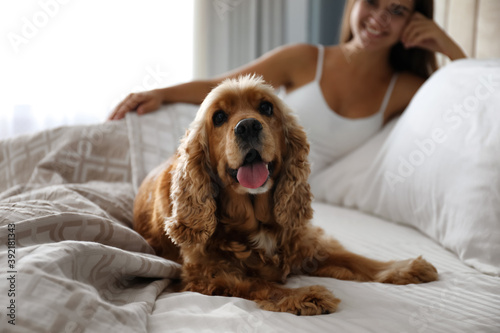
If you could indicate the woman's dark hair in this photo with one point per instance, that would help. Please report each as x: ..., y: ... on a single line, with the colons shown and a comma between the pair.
x: 418, y: 61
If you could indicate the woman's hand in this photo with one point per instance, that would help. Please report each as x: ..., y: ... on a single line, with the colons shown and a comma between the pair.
x: 424, y: 33
x: 142, y: 102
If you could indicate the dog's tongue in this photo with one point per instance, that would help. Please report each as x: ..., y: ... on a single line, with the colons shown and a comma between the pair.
x: 253, y: 175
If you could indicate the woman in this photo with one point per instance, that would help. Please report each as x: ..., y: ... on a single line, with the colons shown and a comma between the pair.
x: 343, y: 94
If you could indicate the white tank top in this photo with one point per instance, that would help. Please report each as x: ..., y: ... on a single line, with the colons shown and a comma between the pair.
x: 331, y: 135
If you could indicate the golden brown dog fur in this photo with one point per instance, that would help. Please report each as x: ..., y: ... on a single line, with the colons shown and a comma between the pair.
x: 233, y: 241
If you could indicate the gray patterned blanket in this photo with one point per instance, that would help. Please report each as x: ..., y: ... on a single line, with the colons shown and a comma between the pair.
x: 70, y: 260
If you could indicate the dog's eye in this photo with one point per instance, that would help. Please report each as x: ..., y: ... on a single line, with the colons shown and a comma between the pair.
x: 219, y: 118
x: 266, y: 108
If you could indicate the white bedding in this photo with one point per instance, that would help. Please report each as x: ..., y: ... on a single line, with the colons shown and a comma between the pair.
x: 463, y: 300
x: 80, y: 268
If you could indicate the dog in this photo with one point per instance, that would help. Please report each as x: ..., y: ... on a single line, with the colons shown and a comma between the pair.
x: 233, y: 206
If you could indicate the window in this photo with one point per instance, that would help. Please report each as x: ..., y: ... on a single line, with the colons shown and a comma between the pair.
x: 67, y: 62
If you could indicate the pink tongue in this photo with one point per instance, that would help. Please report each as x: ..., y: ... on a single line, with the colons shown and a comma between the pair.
x: 253, y: 175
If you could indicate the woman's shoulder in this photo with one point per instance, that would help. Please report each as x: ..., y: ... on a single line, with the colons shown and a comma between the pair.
x: 299, y: 62
x: 298, y: 51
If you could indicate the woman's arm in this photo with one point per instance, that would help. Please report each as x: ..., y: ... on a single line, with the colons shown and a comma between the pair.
x: 148, y: 101
x: 277, y: 67
x: 424, y: 33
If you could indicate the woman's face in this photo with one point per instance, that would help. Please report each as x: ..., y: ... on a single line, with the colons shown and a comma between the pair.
x: 378, y: 24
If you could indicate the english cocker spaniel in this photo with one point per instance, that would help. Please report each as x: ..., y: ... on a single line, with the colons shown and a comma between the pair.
x: 233, y: 206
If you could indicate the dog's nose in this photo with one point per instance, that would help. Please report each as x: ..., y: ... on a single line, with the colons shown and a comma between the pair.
x: 248, y: 128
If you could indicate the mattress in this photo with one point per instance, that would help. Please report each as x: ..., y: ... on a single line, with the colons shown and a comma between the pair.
x: 66, y: 197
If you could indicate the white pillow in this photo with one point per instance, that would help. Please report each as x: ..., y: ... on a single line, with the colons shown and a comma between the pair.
x: 437, y: 168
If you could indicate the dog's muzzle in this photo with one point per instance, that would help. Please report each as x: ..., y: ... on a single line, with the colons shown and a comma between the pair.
x: 254, y: 172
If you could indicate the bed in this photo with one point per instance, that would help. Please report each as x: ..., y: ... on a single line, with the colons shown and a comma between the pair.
x: 428, y: 184
x: 73, y: 264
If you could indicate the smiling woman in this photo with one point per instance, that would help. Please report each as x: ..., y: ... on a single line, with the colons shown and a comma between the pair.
x: 70, y: 62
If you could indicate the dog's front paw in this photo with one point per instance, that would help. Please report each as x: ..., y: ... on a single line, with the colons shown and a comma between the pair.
x: 306, y: 301
x: 408, y: 271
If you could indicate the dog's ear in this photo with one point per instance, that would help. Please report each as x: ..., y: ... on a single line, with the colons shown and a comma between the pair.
x: 292, y: 196
x: 193, y: 218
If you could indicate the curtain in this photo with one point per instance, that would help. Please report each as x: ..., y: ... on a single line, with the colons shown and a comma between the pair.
x: 325, y: 17
x: 231, y: 33
x: 473, y: 24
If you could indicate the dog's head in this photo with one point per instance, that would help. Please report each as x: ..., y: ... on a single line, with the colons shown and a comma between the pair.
x: 244, y: 140
x: 244, y: 122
